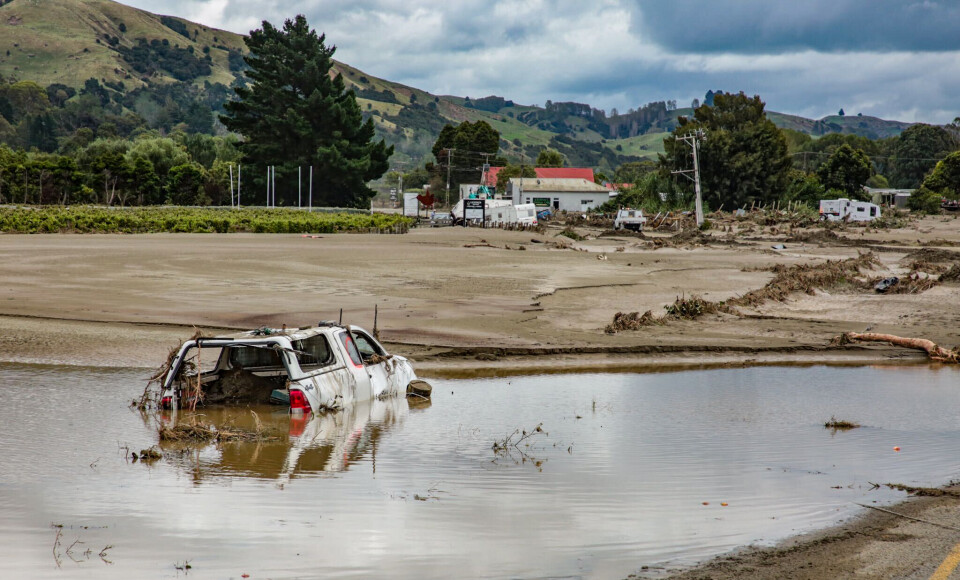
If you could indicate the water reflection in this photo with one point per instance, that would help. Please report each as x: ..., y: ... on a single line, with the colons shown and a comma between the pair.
x: 382, y: 490
x: 291, y: 446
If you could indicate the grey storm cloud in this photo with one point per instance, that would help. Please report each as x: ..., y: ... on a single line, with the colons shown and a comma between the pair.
x: 895, y: 59
x: 765, y: 26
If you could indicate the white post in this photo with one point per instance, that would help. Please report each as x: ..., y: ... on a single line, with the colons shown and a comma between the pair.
x: 311, y: 187
x: 238, y: 186
x: 299, y: 186
x: 231, y: 186
x: 268, y: 186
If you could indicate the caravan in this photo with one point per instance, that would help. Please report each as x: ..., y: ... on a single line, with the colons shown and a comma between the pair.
x: 499, y: 212
x: 844, y: 209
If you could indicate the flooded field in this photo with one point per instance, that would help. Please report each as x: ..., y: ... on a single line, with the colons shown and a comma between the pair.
x: 630, y: 470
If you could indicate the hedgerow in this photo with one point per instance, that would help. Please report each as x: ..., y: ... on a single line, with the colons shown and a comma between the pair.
x: 158, y: 219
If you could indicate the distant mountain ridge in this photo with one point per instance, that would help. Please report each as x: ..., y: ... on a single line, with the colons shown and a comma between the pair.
x: 125, y: 48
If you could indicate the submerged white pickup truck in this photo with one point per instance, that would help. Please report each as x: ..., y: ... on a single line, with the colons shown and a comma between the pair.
x: 323, y: 367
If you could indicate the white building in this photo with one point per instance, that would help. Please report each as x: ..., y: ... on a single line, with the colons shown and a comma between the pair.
x: 559, y: 194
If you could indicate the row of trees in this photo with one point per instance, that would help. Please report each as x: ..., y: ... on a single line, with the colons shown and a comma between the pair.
x: 746, y: 159
x: 182, y: 170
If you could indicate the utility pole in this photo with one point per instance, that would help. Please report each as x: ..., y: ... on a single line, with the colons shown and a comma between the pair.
x: 523, y: 157
x: 694, y: 140
x: 449, y: 165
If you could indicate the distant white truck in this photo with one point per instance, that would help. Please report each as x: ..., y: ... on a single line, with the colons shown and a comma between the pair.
x: 843, y: 209
x: 629, y: 219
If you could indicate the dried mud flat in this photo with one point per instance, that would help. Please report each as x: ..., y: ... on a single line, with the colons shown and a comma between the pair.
x: 469, y: 302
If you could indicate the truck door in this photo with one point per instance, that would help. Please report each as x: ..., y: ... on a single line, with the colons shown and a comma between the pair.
x: 354, y: 362
x: 376, y: 361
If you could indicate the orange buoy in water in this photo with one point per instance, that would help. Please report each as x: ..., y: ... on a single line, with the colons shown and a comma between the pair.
x: 706, y: 503
x: 724, y: 504
x: 896, y: 449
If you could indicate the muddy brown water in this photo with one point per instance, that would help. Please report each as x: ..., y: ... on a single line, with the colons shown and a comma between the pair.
x: 617, y: 480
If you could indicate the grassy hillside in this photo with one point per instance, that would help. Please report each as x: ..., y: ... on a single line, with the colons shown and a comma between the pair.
x: 70, y: 41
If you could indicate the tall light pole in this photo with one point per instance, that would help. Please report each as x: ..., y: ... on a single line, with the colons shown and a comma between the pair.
x: 694, y: 140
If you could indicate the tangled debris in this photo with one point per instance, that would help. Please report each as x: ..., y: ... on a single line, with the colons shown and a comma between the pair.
x: 623, y: 321
x: 151, y: 391
x: 817, y: 236
x: 951, y: 275
x: 196, y: 431
x: 840, y: 425
x: 923, y: 491
x: 926, y: 266
x: 934, y: 255
x: 682, y: 309
x: 787, y: 280
x: 915, y: 283
x: 805, y: 278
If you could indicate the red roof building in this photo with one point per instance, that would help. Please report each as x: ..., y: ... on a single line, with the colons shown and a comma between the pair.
x: 546, y: 173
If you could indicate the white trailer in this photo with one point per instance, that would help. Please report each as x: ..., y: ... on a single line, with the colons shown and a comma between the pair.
x: 844, y: 209
x: 411, y: 206
x: 495, y: 211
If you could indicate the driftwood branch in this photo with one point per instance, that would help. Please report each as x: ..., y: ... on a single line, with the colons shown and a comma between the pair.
x: 933, y: 350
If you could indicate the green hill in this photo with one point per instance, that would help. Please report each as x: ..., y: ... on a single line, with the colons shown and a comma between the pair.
x: 131, y: 51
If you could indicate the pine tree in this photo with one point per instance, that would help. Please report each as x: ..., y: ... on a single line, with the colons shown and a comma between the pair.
x: 295, y: 114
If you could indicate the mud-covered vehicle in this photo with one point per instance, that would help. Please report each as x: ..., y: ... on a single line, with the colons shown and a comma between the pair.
x: 309, y: 369
x: 630, y: 219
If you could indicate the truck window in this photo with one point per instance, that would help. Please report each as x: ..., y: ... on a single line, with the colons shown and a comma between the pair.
x: 366, y: 346
x: 873, y: 212
x: 313, y: 351
x: 350, y: 348
x: 254, y: 357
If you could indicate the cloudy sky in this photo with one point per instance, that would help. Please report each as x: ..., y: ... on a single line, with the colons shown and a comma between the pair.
x: 897, y: 59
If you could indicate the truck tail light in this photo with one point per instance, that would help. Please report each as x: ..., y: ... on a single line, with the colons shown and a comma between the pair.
x: 298, y: 402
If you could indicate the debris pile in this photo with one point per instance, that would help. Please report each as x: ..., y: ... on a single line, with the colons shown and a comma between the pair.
x: 951, y: 275
x: 805, y: 278
x: 196, y: 431
x: 631, y: 321
x: 682, y: 309
x: 840, y: 425
x: 915, y: 283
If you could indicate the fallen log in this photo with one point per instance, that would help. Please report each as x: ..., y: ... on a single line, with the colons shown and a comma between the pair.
x: 933, y: 350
